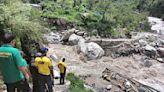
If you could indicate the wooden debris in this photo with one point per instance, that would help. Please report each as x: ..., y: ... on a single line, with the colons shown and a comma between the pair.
x: 124, y: 83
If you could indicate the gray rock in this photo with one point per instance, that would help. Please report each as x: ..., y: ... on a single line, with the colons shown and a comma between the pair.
x: 91, y: 50
x: 127, y: 85
x: 161, y: 51
x: 142, y: 42
x: 150, y: 51
x: 94, y: 51
x: 109, y: 87
x: 153, y: 44
x: 76, y: 31
x: 80, y: 33
x: 74, y: 39
x: 162, y: 41
x: 147, y: 63
x: 149, y: 48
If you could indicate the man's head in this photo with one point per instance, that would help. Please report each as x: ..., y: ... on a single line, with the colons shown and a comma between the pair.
x: 9, y: 38
x: 63, y: 59
x: 44, y: 51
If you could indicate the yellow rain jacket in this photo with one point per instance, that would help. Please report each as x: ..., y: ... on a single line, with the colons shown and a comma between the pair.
x: 61, y: 66
x: 43, y: 64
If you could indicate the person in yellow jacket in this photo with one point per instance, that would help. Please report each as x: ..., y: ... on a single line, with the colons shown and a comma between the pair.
x: 62, y: 67
x: 44, y: 66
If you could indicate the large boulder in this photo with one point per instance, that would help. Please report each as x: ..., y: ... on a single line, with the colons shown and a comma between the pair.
x: 94, y: 51
x: 74, y: 39
x: 142, y: 42
x: 91, y: 50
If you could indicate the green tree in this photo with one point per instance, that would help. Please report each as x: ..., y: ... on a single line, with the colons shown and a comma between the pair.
x: 18, y: 18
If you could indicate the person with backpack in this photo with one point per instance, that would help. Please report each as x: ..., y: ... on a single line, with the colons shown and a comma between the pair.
x: 62, y: 68
x: 12, y: 66
x: 45, y: 67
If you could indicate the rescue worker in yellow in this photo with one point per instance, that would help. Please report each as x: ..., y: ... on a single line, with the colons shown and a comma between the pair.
x: 62, y: 67
x: 44, y: 65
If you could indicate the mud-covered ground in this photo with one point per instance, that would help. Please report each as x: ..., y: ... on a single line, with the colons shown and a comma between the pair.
x: 132, y: 66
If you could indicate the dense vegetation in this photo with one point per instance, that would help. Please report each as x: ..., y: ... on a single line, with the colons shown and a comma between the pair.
x: 22, y: 20
x: 77, y: 85
x: 109, y: 18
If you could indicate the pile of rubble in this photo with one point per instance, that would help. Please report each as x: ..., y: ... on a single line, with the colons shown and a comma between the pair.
x: 124, y: 83
x: 149, y: 44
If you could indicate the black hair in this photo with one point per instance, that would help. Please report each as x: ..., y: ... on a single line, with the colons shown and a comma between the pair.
x: 8, y: 37
x: 63, y: 59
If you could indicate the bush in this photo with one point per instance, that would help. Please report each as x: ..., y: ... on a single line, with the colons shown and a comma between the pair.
x: 77, y: 85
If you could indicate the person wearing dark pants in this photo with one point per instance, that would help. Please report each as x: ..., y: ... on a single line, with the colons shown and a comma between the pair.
x: 21, y: 86
x: 44, y: 66
x: 62, y: 77
x: 12, y: 66
x: 62, y: 68
x: 45, y: 83
x: 34, y: 73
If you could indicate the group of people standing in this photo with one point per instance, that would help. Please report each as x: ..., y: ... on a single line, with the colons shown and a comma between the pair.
x: 16, y: 73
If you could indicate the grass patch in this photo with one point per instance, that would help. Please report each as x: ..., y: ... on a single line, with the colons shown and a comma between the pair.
x: 77, y: 85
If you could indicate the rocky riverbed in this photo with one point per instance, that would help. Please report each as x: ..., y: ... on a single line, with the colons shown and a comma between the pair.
x: 139, y: 58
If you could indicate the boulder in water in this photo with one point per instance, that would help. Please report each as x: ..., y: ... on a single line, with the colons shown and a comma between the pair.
x: 91, y: 50
x: 74, y: 39
x: 94, y: 51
